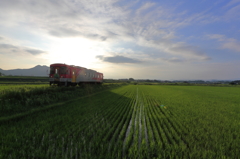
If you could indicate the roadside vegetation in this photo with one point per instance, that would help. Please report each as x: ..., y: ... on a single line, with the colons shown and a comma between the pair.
x: 23, y: 98
x: 133, y: 121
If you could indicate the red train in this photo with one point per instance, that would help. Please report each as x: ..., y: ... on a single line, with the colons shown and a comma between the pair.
x: 63, y: 74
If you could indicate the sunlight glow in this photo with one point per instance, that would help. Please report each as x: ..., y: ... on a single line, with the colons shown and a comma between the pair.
x: 75, y: 51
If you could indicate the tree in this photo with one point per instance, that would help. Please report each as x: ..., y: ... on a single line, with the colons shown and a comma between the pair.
x: 131, y: 79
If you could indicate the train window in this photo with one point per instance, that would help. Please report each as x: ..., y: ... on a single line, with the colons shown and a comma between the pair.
x: 67, y: 71
x: 63, y: 70
x: 52, y: 70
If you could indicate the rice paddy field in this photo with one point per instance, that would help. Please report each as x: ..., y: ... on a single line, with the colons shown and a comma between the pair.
x: 16, y: 86
x: 128, y: 121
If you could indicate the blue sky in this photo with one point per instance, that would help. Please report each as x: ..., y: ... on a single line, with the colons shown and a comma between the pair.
x: 168, y: 40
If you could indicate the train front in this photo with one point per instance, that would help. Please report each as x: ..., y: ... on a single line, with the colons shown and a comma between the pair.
x: 59, y: 74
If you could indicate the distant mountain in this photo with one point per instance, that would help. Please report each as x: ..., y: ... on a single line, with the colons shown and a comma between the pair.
x: 35, y: 71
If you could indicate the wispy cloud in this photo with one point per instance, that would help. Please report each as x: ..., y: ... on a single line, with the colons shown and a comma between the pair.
x: 232, y: 2
x: 18, y: 50
x: 181, y: 49
x: 173, y: 60
x: 35, y: 51
x: 117, y: 59
x: 226, y: 43
x: 233, y: 13
x: 144, y: 7
x: 140, y: 32
x: 150, y: 25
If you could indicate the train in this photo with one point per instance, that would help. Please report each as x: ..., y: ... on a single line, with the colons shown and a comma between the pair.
x: 70, y: 75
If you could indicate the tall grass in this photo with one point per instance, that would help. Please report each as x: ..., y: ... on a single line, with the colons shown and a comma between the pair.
x: 21, y: 99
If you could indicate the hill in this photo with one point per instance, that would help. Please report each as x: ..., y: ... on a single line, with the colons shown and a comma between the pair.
x: 35, y: 71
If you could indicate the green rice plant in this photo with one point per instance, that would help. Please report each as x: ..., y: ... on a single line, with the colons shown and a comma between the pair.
x: 22, y: 99
x: 127, y: 122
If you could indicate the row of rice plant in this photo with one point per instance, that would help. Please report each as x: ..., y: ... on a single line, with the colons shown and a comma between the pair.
x: 130, y: 122
x: 86, y: 128
x: 192, y: 120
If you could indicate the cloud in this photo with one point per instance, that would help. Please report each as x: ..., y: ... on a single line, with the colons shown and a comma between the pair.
x: 173, y: 60
x: 233, y: 13
x: 226, y: 43
x: 219, y: 37
x: 232, y: 2
x: 61, y: 18
x: 166, y: 47
x: 64, y: 32
x: 7, y: 46
x: 9, y: 49
x: 232, y: 45
x: 144, y: 7
x: 91, y: 19
x: 34, y: 51
x: 117, y: 59
x: 13, y: 49
x: 188, y: 51
x: 145, y: 24
x: 68, y: 32
x: 182, y: 59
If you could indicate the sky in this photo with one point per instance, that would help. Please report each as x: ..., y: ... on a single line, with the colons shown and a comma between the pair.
x: 140, y: 39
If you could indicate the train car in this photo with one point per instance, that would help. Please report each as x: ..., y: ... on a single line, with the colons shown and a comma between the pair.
x: 63, y: 74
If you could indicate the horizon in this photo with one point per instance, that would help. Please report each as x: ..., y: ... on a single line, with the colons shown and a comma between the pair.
x: 122, y: 78
x: 140, y: 38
